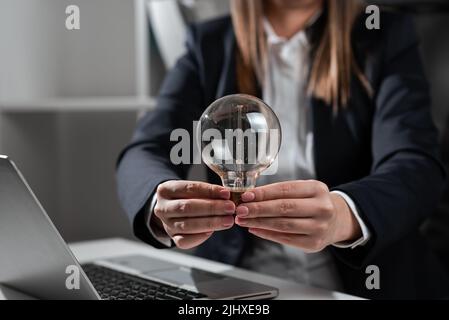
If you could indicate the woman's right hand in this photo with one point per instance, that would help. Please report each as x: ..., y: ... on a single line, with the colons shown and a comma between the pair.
x: 190, y: 211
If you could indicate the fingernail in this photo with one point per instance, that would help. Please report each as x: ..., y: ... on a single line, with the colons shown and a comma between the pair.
x: 208, y: 233
x: 252, y: 231
x: 241, y: 222
x: 228, y: 221
x: 248, y: 196
x: 242, y: 211
x: 229, y: 207
x: 225, y: 194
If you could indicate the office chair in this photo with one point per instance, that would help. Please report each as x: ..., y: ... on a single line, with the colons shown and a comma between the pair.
x: 436, y: 228
x: 414, y: 6
x: 170, y: 18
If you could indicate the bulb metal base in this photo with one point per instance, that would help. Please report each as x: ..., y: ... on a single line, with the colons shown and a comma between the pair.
x: 239, y: 181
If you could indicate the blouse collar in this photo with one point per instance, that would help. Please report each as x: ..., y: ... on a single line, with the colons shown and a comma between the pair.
x: 299, y: 37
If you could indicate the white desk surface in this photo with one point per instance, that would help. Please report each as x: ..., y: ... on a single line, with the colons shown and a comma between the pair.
x: 101, y: 249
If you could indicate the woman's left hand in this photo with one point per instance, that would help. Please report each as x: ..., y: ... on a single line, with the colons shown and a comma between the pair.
x: 299, y: 213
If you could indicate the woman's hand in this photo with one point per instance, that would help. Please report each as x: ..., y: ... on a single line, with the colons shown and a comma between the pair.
x: 303, y: 214
x: 191, y: 211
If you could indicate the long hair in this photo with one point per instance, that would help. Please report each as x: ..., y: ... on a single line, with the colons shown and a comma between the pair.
x: 333, y: 62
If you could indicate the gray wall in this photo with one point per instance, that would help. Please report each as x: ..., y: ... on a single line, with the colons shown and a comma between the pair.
x: 68, y: 157
x: 39, y: 58
x: 69, y: 161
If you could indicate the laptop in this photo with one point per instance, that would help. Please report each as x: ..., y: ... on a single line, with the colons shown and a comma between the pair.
x: 35, y: 260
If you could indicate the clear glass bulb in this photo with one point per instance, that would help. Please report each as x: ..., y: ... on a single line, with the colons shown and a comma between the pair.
x: 239, y: 137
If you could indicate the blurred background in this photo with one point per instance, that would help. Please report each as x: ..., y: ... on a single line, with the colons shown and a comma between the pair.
x: 69, y: 100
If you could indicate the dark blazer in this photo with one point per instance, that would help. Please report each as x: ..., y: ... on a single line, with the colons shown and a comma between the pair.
x: 380, y: 150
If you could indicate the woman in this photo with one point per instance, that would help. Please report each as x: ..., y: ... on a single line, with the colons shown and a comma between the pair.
x: 360, y: 171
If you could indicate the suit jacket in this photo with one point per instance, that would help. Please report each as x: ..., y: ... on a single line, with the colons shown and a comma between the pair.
x: 381, y: 150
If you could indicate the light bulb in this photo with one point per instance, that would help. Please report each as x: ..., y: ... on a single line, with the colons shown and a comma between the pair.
x: 239, y: 137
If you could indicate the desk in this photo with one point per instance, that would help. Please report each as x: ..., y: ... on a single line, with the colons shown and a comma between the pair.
x: 101, y: 249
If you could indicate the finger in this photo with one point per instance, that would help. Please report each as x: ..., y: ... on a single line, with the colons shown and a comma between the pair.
x: 304, y: 242
x: 285, y: 190
x: 199, y: 225
x: 192, y: 189
x: 286, y: 225
x: 302, y: 208
x: 183, y: 241
x: 194, y: 208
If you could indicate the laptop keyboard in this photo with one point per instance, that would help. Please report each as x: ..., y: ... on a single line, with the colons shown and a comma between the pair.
x: 115, y: 285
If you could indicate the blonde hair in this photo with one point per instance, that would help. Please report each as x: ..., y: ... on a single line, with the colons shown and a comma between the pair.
x: 332, y: 65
